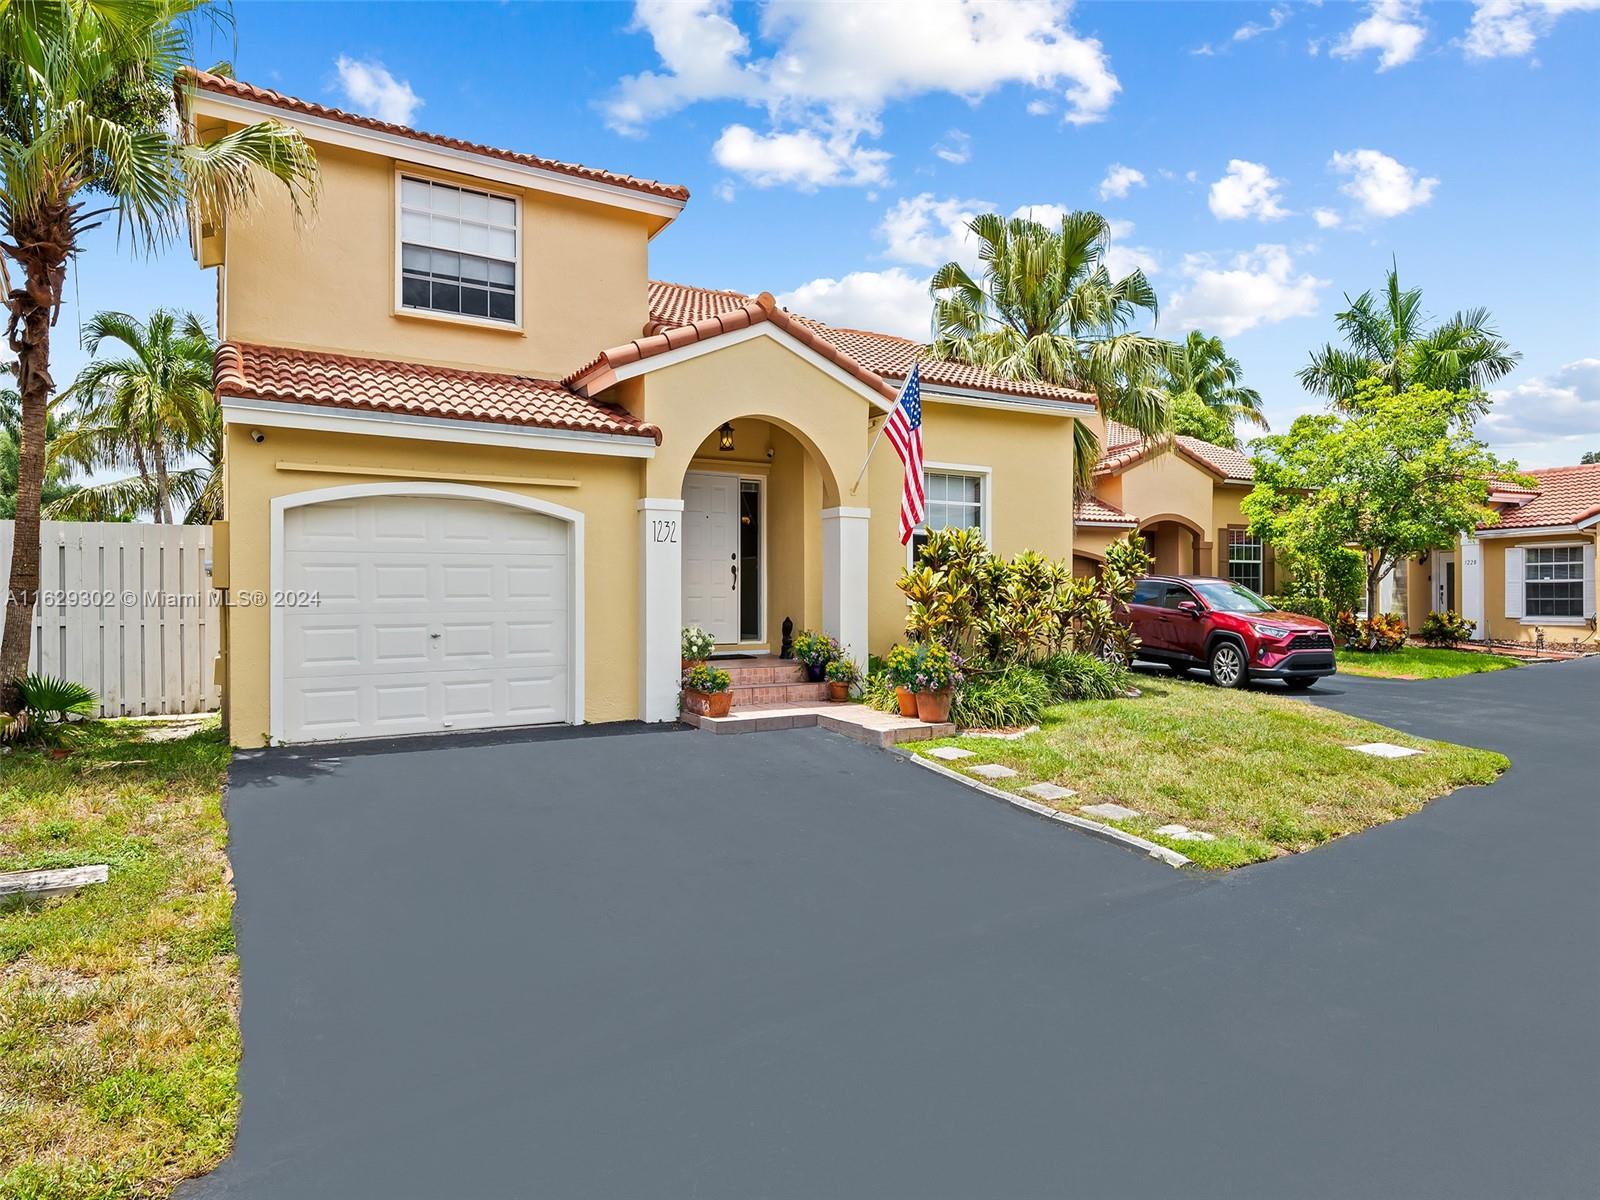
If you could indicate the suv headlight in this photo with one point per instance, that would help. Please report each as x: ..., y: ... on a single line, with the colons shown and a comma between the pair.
x: 1272, y: 631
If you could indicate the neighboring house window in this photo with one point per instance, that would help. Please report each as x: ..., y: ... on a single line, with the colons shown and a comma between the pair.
x: 955, y: 501
x: 458, y: 251
x: 1246, y: 557
x: 1553, y: 579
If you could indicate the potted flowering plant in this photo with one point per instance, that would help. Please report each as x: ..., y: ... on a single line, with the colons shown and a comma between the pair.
x: 706, y: 691
x: 934, y: 678
x: 842, y: 675
x: 697, y: 645
x: 901, y: 666
x: 815, y: 651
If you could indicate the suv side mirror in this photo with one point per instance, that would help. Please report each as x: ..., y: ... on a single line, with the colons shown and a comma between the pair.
x: 1190, y: 607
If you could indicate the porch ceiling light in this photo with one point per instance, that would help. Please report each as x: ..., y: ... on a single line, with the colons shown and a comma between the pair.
x: 725, y: 437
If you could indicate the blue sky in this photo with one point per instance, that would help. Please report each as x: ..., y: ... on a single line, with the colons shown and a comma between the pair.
x: 1258, y: 160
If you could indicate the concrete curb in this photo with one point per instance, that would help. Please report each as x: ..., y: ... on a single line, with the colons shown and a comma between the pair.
x: 1093, y: 828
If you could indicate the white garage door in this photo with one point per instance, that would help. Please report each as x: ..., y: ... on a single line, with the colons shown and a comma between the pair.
x: 429, y: 613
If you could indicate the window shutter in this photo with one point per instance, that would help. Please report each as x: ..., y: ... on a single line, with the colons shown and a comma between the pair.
x: 1222, y: 553
x: 1269, y: 569
x: 1588, y: 581
x: 1514, y: 587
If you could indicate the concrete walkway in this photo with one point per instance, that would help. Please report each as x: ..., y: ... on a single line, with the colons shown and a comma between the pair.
x: 655, y: 964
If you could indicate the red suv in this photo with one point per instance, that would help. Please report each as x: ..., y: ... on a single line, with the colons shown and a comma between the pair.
x: 1191, y: 621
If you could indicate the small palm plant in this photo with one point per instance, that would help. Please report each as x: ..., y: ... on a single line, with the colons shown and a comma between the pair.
x: 47, y: 711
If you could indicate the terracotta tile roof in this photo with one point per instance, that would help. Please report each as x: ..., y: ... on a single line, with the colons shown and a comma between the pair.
x: 205, y: 81
x: 1121, y: 447
x: 379, y: 385
x: 600, y: 374
x: 1566, y: 496
x: 888, y: 356
x: 1091, y: 510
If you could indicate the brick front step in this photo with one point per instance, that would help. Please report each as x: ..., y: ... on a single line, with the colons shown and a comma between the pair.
x: 855, y: 721
x: 762, y: 671
x: 746, y: 695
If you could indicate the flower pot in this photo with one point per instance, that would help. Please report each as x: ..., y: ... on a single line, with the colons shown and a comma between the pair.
x: 838, y: 692
x: 934, y: 707
x: 907, y: 700
x: 816, y: 672
x: 690, y: 664
x: 708, y: 704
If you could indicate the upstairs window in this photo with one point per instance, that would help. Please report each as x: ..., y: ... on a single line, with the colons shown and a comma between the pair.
x: 458, y: 251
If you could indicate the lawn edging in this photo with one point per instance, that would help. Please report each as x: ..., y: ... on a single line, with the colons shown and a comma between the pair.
x: 1108, y: 833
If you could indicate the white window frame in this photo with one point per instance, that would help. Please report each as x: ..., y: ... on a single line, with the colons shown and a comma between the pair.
x: 985, y: 477
x: 428, y: 314
x: 1260, y: 563
x: 1582, y: 580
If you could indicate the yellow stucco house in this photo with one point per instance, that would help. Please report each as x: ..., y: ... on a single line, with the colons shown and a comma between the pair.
x: 480, y: 469
x: 1527, y: 576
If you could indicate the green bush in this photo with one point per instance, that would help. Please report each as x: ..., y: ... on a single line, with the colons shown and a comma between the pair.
x: 1448, y: 628
x: 49, y: 709
x: 1083, y: 677
x: 705, y: 678
x: 1383, y: 633
x: 1014, y: 696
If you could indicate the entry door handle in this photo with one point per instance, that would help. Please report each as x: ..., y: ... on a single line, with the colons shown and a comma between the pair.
x: 734, y: 571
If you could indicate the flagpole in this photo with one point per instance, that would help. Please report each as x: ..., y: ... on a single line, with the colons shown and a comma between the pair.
x: 872, y: 449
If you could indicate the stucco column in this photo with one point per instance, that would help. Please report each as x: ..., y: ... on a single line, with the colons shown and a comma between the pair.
x: 660, y: 607
x: 844, y: 578
x: 1471, y: 584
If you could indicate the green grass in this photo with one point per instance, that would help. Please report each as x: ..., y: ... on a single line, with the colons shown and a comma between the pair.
x: 1265, y: 774
x: 118, y: 1005
x: 1421, y: 662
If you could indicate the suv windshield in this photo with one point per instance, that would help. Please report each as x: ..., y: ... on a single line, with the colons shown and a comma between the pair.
x: 1230, y: 597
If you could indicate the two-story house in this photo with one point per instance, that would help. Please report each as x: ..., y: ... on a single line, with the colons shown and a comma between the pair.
x: 481, y: 470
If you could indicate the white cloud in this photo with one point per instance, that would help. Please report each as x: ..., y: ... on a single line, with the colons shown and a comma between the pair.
x: 1509, y: 28
x: 1121, y: 258
x: 893, y: 301
x: 1247, y: 190
x: 1393, y: 28
x: 805, y: 158
x: 1550, y: 419
x: 930, y: 231
x: 725, y: 191
x: 956, y: 147
x: 369, y: 88
x: 831, y: 69
x: 1381, y: 185
x: 1254, y: 29
x: 1040, y: 108
x: 1119, y: 179
x: 1326, y: 218
x: 1258, y: 287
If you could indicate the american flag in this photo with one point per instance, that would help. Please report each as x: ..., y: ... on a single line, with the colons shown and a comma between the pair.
x: 904, y: 430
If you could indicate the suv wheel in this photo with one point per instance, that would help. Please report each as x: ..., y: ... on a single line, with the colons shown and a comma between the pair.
x: 1227, y: 665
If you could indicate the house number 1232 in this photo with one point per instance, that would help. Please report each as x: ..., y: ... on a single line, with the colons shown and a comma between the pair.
x: 664, y: 531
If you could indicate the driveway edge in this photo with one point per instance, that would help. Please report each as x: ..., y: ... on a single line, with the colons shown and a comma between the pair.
x: 1108, y: 833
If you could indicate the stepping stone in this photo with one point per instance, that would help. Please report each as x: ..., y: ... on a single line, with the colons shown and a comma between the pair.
x: 1110, y: 812
x: 1049, y: 791
x: 1183, y: 833
x: 1385, y: 750
x: 949, y: 753
x: 992, y: 771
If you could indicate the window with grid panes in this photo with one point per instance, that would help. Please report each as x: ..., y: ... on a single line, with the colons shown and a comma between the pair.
x: 458, y: 251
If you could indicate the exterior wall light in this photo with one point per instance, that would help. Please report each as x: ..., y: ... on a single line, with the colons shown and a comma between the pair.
x: 725, y: 438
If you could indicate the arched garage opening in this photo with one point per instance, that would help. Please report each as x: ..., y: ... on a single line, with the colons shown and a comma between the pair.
x: 416, y: 607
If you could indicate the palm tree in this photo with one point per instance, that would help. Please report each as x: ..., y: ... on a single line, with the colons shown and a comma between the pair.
x: 86, y: 111
x: 1047, y: 310
x: 1385, y: 338
x: 57, y: 478
x: 143, y: 411
x: 1201, y: 371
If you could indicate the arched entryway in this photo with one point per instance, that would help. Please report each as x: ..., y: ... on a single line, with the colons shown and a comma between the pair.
x: 1177, y: 545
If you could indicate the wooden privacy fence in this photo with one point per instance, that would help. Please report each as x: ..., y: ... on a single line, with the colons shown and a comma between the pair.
x: 128, y: 611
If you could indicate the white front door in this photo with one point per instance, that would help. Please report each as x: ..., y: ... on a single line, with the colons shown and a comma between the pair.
x: 1444, y: 581
x: 711, y: 554
x: 423, y: 613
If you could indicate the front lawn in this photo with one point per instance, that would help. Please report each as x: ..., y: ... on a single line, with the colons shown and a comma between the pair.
x: 1421, y: 662
x: 1264, y: 774
x: 118, y: 1028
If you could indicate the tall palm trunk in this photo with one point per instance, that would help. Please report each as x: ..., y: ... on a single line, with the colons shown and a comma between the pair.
x: 158, y: 452
x: 41, y: 243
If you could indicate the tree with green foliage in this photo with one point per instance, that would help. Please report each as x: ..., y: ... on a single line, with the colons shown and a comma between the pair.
x: 1398, y: 475
x: 87, y: 109
x: 57, y: 476
x: 1045, y: 309
x: 1203, y: 385
x: 1387, y: 338
x: 145, y: 410
x: 1590, y: 457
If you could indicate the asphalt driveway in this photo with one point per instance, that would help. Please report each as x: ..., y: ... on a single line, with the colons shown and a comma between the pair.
x: 660, y: 964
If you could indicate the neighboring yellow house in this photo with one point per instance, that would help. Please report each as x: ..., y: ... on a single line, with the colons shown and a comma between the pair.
x: 1527, y: 575
x: 1183, y: 498
x: 480, y: 470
